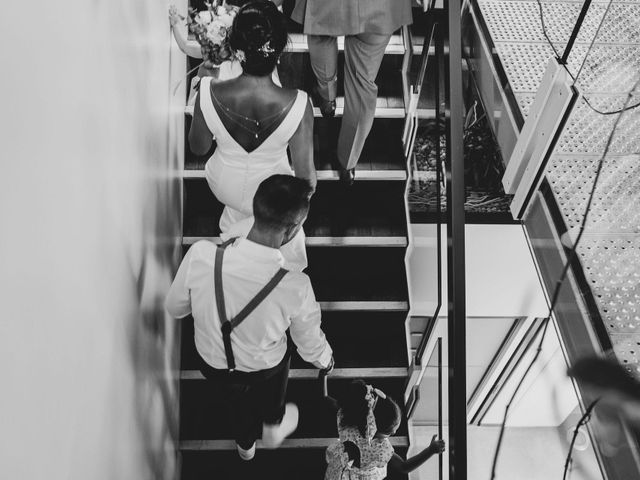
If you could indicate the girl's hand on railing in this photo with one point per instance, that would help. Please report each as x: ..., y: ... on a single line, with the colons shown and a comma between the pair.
x: 436, y: 446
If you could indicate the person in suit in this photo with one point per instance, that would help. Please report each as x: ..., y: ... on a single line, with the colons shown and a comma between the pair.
x: 367, y: 26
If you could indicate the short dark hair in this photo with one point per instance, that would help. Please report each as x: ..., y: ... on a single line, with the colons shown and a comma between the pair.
x: 260, y: 31
x: 388, y: 415
x: 281, y: 200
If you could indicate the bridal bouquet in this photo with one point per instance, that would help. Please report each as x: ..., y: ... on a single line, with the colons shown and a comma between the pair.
x: 211, y: 29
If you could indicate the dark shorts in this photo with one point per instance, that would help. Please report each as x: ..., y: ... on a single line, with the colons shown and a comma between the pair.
x: 252, y: 398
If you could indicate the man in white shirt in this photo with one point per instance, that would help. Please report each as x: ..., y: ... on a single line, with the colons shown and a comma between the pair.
x: 250, y: 362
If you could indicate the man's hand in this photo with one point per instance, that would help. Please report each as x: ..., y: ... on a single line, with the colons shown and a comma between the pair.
x: 326, y: 369
x: 436, y: 446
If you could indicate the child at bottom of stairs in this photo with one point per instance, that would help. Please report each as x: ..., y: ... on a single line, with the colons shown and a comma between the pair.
x: 366, y: 419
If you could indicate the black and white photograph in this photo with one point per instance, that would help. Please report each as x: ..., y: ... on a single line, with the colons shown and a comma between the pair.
x: 320, y: 240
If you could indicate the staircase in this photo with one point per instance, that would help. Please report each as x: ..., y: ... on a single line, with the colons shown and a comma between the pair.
x: 356, y: 240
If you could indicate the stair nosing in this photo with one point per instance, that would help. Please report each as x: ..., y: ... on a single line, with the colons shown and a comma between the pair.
x: 381, y: 112
x: 310, y: 442
x: 312, y: 373
x: 369, y: 175
x: 328, y: 175
x: 298, y: 44
x: 350, y: 241
x: 364, y: 305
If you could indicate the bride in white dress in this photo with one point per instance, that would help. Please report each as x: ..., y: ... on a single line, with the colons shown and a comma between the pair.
x: 253, y: 120
x: 227, y: 70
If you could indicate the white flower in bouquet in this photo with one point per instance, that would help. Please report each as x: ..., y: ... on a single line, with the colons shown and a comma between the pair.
x: 227, y: 20
x: 221, y: 10
x: 216, y: 32
x: 204, y: 17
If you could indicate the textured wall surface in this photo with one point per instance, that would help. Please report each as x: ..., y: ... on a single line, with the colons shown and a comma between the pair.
x: 89, y: 209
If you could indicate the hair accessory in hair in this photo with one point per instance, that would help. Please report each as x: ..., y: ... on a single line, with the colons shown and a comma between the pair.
x: 372, y: 396
x: 240, y: 56
x: 266, y: 49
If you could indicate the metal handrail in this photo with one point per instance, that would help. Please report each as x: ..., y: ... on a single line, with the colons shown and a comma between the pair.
x: 439, y: 350
x: 413, y: 93
x: 411, y: 125
x: 439, y: 54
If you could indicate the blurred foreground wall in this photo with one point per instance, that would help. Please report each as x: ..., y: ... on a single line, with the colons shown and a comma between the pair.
x: 89, y: 218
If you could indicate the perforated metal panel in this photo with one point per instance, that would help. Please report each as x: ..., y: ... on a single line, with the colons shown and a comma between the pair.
x: 627, y: 348
x: 612, y: 266
x: 614, y: 208
x: 587, y: 132
x: 525, y: 63
x: 519, y: 21
x: 525, y: 100
x: 610, y: 69
x: 610, y: 250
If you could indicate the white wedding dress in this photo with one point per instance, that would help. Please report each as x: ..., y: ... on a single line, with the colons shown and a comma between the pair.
x: 226, y: 71
x: 233, y: 174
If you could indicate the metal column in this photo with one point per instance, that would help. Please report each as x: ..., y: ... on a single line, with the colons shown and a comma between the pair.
x: 456, y: 250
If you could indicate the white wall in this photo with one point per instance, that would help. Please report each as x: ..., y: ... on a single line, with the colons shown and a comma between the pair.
x: 501, y: 279
x: 89, y: 222
x: 526, y: 454
x: 501, y: 285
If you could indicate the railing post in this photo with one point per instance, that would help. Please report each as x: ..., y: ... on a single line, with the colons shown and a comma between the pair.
x: 575, y: 32
x: 456, y: 250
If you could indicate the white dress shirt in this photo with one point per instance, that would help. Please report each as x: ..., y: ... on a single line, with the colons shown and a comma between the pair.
x: 294, y: 252
x: 260, y: 341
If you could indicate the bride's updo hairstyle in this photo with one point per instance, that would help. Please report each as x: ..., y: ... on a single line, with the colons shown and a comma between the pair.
x: 260, y: 32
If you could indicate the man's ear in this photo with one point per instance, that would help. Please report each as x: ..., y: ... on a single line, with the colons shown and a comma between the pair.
x: 289, y: 233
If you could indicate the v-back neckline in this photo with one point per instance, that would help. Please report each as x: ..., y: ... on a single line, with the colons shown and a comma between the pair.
x: 268, y: 137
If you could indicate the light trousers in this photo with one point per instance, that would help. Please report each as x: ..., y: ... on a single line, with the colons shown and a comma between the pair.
x: 363, y: 55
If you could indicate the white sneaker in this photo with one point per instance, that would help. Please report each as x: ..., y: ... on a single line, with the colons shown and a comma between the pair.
x: 247, y: 455
x: 274, y: 435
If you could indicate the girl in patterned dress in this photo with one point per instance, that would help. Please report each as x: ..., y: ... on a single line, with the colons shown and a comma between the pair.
x: 366, y: 420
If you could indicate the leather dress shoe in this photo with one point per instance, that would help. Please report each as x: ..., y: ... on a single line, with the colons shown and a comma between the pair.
x: 347, y: 175
x: 327, y: 107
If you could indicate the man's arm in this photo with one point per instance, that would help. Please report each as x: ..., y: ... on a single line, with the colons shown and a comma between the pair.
x: 306, y: 332
x: 178, y: 301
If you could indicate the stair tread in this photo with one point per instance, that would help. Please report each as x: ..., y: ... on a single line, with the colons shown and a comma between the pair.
x: 356, y: 239
x: 310, y: 372
x: 316, y: 241
x: 203, y: 417
x: 283, y: 464
x: 364, y: 209
x: 295, y: 72
x: 382, y: 149
x: 358, y: 339
x: 338, y: 274
x: 288, y: 444
x: 298, y: 43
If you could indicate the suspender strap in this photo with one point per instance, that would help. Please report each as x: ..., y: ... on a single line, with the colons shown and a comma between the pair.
x: 222, y: 310
x: 227, y: 325
x: 257, y: 300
